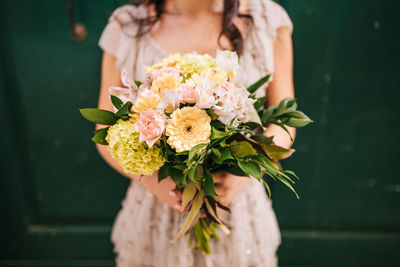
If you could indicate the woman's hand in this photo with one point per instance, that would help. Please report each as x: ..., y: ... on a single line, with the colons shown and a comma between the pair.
x: 165, y: 190
x: 228, y: 186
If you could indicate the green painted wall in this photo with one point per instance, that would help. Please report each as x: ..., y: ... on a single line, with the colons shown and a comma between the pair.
x: 58, y: 198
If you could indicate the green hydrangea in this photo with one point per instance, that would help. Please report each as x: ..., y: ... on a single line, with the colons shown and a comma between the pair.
x: 189, y: 64
x: 133, y: 156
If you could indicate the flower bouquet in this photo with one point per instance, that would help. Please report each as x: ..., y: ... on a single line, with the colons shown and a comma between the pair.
x: 192, y: 117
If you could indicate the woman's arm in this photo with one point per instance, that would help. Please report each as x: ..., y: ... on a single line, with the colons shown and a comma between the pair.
x: 228, y: 185
x: 282, y: 84
x: 165, y: 190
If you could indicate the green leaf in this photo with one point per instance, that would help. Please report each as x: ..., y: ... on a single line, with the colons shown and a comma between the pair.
x: 138, y: 83
x: 216, y: 134
x: 192, y: 171
x: 267, y: 114
x: 296, y: 119
x: 242, y: 149
x: 252, y: 88
x: 212, y: 114
x: 262, y: 139
x: 267, y: 188
x: 250, y: 167
x: 278, y: 152
x: 236, y: 171
x: 125, y: 110
x: 163, y: 172
x: 99, y: 116
x: 225, y: 155
x: 188, y: 194
x: 192, y: 215
x: 177, y: 176
x: 216, y: 152
x: 260, y: 102
x: 209, y: 188
x: 194, y: 151
x: 213, y: 212
x: 116, y: 102
x: 285, y: 182
x: 100, y: 136
x: 286, y: 105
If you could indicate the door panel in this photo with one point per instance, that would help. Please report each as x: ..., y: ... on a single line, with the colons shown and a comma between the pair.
x: 59, y: 198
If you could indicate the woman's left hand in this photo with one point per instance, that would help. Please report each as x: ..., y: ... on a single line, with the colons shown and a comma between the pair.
x: 228, y: 185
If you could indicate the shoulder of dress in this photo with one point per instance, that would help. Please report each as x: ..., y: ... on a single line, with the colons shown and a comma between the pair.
x: 268, y: 16
x: 128, y: 13
x: 127, y: 16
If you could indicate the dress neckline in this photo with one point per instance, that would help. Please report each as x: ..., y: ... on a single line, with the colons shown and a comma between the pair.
x: 163, y: 53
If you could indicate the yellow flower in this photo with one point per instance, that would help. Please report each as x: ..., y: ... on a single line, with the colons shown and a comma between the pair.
x: 215, y: 76
x: 146, y: 101
x: 165, y: 82
x: 189, y: 126
x: 131, y: 154
x: 166, y: 62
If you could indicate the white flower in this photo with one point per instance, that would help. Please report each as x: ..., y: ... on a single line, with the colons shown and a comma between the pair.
x: 228, y: 61
x: 205, y: 89
x: 170, y: 100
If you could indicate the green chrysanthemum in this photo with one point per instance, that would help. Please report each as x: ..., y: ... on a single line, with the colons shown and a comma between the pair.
x: 133, y: 156
x: 189, y: 64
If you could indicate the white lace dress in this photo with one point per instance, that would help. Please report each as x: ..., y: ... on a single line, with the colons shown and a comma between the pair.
x: 144, y: 226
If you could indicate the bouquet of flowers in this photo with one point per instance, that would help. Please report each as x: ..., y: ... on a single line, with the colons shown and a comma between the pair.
x: 191, y: 117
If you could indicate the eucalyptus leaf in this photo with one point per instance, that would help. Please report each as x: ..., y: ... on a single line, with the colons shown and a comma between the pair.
x: 99, y: 116
x: 100, y: 136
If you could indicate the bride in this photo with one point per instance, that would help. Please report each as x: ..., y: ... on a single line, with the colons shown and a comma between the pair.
x: 140, y: 35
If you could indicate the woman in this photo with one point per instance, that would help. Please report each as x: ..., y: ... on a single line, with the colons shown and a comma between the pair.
x: 139, y: 36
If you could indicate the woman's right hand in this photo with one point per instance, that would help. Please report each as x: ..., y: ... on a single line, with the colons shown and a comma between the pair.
x: 165, y: 190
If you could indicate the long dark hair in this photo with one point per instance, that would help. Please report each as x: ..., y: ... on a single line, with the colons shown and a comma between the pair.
x: 229, y: 29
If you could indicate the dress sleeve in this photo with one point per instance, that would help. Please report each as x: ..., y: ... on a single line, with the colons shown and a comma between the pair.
x: 269, y: 16
x: 277, y: 17
x: 119, y: 36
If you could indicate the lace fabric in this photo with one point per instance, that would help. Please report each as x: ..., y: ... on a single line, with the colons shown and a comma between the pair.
x: 144, y: 226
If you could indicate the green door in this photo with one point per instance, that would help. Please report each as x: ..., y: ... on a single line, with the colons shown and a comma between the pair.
x: 59, y: 198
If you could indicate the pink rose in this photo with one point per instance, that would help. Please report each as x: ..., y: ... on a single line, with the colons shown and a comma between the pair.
x: 164, y: 72
x: 188, y: 94
x: 150, y: 126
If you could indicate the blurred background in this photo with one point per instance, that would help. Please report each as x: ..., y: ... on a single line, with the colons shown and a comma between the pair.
x: 58, y: 198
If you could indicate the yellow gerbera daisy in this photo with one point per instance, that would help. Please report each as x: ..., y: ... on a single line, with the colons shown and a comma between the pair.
x: 189, y: 126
